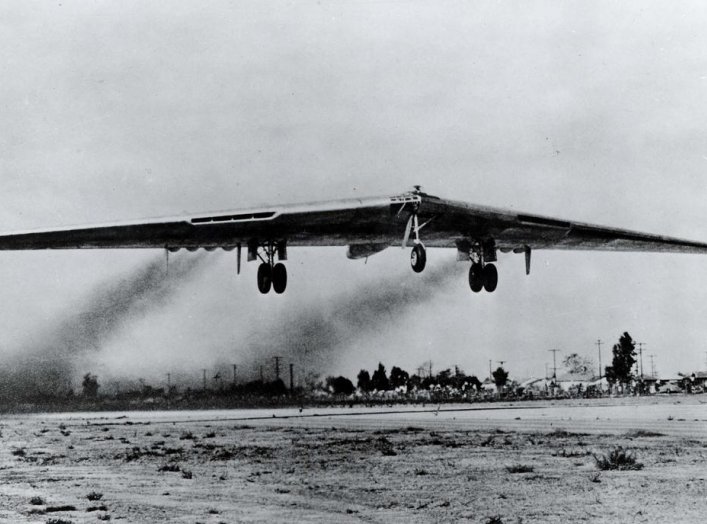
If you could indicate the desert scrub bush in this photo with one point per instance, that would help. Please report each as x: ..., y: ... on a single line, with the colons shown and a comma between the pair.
x: 570, y: 453
x: 186, y: 474
x: 385, y: 447
x: 94, y: 495
x: 643, y: 433
x: 520, y: 468
x: 170, y: 467
x: 618, y: 458
x: 55, y: 520
x: 36, y: 501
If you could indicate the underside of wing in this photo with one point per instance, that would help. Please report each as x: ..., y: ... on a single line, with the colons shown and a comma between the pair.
x: 515, y: 231
x: 331, y: 223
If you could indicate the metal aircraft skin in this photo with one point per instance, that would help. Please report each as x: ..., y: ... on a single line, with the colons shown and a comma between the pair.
x: 366, y: 226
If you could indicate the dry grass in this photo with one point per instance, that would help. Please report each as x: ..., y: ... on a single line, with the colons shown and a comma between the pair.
x: 619, y: 459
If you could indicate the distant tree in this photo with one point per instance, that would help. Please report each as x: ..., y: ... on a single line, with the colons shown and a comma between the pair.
x: 623, y: 361
x: 90, y: 386
x: 398, y: 377
x: 577, y: 364
x: 340, y: 385
x: 500, y: 377
x: 364, y: 381
x: 379, y: 380
x: 474, y: 382
x: 444, y: 377
x: 414, y: 382
x: 460, y: 380
x: 276, y: 388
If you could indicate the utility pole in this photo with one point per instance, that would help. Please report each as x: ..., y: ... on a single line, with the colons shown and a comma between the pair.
x: 204, y: 373
x: 235, y: 368
x: 292, y: 377
x: 652, y: 366
x: 599, y: 343
x: 554, y: 363
x: 169, y: 388
x: 490, y: 372
x: 277, y: 367
x: 640, y: 356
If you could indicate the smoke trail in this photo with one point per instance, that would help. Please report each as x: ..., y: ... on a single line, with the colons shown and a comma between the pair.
x: 45, y: 365
x: 317, y: 335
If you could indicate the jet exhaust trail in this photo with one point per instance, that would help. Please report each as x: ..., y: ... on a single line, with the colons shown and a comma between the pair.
x: 315, y: 336
x: 46, y: 366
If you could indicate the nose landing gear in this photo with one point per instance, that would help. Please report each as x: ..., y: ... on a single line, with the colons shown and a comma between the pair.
x: 418, y: 255
x: 418, y: 258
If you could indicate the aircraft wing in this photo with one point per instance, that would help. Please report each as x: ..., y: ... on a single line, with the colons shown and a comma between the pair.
x: 366, y: 225
x: 377, y: 221
x: 516, y: 230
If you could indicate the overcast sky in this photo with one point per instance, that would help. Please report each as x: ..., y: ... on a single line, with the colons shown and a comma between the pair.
x: 593, y: 111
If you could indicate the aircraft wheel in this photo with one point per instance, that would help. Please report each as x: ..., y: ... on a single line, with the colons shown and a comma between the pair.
x: 490, y: 278
x: 264, y: 278
x: 476, y: 277
x: 279, y: 278
x: 418, y: 258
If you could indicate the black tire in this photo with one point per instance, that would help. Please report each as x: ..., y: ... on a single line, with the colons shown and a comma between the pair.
x: 279, y: 278
x: 418, y: 258
x: 264, y: 278
x: 476, y: 277
x: 490, y: 278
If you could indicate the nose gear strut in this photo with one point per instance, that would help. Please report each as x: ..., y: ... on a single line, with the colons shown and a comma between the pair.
x: 418, y: 255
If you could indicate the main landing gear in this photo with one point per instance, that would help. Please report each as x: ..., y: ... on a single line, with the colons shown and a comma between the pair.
x: 270, y: 275
x: 482, y: 273
x: 483, y: 277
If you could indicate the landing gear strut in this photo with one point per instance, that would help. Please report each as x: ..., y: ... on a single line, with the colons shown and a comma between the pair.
x: 270, y: 274
x: 418, y: 255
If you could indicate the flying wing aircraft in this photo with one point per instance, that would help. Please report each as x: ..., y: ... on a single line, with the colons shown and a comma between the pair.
x: 367, y: 226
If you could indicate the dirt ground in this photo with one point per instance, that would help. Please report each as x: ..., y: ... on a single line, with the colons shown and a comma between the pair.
x: 364, y: 468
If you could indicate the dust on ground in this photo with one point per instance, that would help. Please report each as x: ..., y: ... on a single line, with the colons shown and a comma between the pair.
x: 55, y: 470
